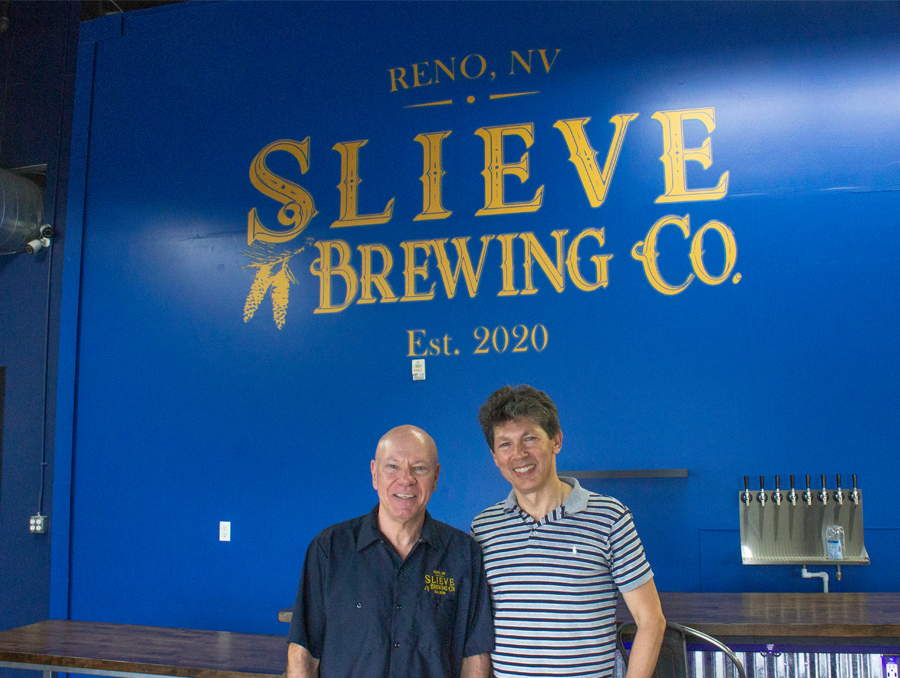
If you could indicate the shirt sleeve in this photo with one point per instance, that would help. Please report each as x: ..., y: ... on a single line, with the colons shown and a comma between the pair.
x: 480, y: 632
x: 629, y: 566
x: 308, y: 619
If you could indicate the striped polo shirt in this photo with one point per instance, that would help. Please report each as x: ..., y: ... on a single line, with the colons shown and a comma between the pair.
x: 553, y: 583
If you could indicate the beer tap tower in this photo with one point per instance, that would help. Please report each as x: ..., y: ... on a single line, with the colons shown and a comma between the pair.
x: 802, y: 528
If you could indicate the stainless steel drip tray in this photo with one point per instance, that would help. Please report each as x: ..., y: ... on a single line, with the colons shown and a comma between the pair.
x: 801, y: 560
x: 788, y: 534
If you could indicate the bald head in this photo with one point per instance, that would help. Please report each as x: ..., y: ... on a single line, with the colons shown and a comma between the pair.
x: 407, y: 435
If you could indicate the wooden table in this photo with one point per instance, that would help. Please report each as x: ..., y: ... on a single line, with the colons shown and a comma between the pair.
x: 134, y: 651
x: 822, y: 619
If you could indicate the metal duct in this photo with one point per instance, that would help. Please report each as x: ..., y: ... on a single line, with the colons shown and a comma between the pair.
x: 21, y: 212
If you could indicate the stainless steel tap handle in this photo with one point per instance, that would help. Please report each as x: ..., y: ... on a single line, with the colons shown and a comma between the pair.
x: 854, y: 493
x: 823, y: 493
x: 792, y: 495
x: 746, y: 497
x: 839, y: 493
x: 761, y: 497
x: 776, y: 495
x: 807, y: 493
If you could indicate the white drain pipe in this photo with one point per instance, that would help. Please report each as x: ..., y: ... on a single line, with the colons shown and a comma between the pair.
x: 816, y: 575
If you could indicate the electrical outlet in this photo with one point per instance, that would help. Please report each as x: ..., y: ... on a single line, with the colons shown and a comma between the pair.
x: 37, y: 524
x: 890, y: 666
x: 225, y: 531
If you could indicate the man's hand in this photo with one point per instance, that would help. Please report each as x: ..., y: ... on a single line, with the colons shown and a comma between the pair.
x: 477, y: 666
x: 301, y: 664
x: 643, y: 603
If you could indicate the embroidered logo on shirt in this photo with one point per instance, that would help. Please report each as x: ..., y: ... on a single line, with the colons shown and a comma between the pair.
x: 439, y: 583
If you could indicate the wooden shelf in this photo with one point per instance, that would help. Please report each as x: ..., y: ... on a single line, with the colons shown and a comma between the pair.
x: 639, y: 473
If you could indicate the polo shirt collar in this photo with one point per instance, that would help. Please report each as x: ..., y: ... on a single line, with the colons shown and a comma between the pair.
x: 576, y: 502
x: 430, y: 534
x: 369, y: 532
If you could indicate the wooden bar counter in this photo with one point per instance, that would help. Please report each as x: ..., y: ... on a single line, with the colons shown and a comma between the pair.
x: 823, y: 619
x: 859, y: 622
x: 124, y: 650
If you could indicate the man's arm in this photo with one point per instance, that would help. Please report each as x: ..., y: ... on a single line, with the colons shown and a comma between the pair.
x: 301, y: 664
x: 643, y: 603
x: 477, y: 666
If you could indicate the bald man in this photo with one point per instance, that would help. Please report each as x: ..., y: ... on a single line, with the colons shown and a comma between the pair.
x: 393, y: 593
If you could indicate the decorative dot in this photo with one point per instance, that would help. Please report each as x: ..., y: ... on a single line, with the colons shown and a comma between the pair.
x: 470, y: 99
x: 736, y: 279
x: 358, y: 605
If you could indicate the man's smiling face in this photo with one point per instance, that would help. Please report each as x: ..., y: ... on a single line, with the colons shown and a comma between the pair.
x: 404, y: 472
x: 525, y: 455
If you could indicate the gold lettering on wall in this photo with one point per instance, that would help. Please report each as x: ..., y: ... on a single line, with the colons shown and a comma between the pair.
x: 584, y: 157
x: 324, y: 268
x: 297, y: 203
x: 675, y: 155
x: 467, y: 66
x: 697, y: 252
x: 367, y: 278
x: 601, y: 261
x: 534, y: 251
x: 440, y: 66
x: 420, y: 73
x: 412, y: 270
x: 398, y: 75
x: 495, y: 170
x: 349, y: 187
x: 514, y: 56
x: 463, y: 264
x: 367, y: 281
x: 432, y: 175
x: 646, y: 253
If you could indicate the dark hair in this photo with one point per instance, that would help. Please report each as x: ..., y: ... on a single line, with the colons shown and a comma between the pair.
x: 518, y: 402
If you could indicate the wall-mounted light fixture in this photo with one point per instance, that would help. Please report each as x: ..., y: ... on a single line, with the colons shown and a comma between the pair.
x: 22, y: 227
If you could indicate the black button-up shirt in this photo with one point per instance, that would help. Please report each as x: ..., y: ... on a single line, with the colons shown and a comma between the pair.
x: 366, y: 613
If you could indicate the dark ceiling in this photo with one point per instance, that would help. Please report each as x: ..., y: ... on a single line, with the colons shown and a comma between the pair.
x: 93, y: 9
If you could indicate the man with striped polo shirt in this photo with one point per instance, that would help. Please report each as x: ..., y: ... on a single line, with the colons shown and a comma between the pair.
x: 556, y: 555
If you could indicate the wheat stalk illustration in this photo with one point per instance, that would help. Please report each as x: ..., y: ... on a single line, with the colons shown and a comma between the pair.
x: 266, y: 261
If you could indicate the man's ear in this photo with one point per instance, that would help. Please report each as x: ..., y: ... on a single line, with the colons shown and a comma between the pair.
x: 557, y: 442
x: 372, y: 467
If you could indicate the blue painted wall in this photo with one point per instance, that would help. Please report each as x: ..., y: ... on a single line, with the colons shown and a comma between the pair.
x: 37, y: 80
x: 182, y: 414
